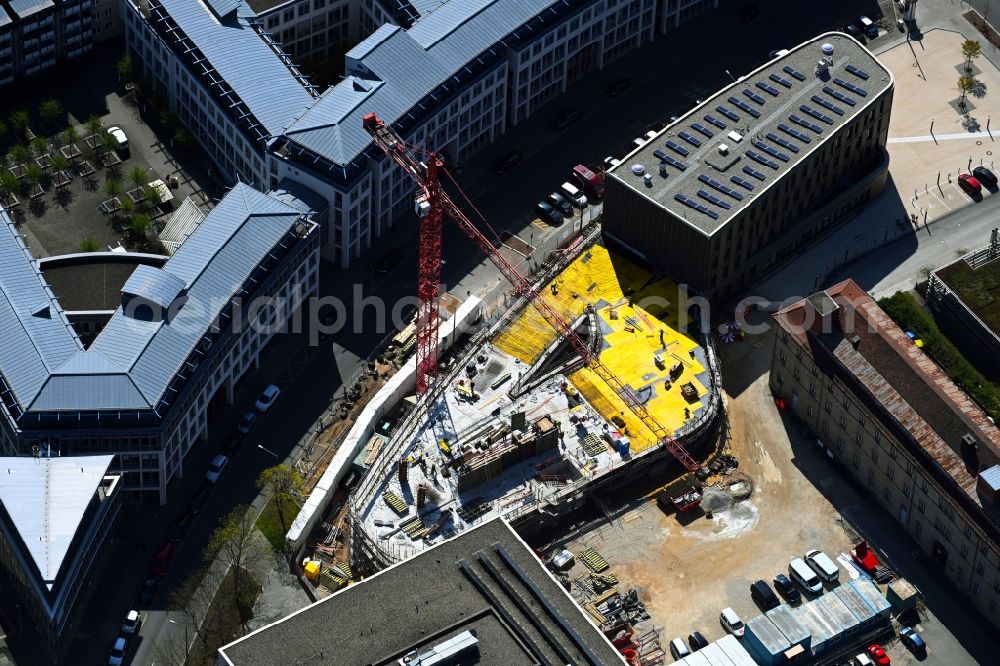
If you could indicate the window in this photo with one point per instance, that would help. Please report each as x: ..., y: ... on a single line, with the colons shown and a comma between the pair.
x: 964, y: 550
x: 890, y: 471
x: 871, y: 476
x: 878, y: 438
x: 887, y: 494
x: 967, y: 532
x: 921, y: 505
x: 856, y: 461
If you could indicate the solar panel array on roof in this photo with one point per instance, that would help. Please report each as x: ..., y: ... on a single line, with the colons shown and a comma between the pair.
x: 677, y: 148
x: 771, y: 150
x: 741, y: 182
x: 725, y: 189
x: 818, y: 115
x: 788, y: 69
x: 715, y: 121
x: 805, y: 123
x: 698, y: 127
x: 757, y: 157
x: 694, y: 141
x: 726, y: 112
x: 754, y: 96
x: 708, y: 196
x: 827, y: 104
x: 791, y: 131
x: 663, y: 157
x: 777, y: 78
x: 744, y: 106
x: 785, y: 143
x: 850, y: 86
x: 691, y: 203
x: 769, y: 89
x: 836, y: 94
x: 753, y: 172
x: 857, y: 71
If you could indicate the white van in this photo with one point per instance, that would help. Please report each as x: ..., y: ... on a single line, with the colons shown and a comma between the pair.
x: 804, y: 576
x: 679, y: 649
x: 574, y: 194
x: 823, y: 565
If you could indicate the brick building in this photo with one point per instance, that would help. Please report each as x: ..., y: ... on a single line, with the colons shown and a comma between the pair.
x: 893, y: 420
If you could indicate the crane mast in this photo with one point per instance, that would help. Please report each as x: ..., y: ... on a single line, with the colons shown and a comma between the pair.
x: 432, y: 204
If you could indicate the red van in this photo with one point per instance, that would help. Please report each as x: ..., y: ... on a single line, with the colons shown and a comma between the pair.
x: 592, y: 183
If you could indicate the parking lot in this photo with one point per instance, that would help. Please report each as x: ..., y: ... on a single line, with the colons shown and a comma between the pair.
x: 687, y: 567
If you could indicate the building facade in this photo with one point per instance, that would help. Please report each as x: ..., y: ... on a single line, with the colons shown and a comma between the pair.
x: 891, y: 419
x: 35, y: 35
x: 448, y: 80
x: 169, y: 357
x: 757, y: 171
x: 46, y: 564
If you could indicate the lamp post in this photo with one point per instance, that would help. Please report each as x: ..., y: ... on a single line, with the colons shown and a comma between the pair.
x: 730, y: 75
x: 267, y: 450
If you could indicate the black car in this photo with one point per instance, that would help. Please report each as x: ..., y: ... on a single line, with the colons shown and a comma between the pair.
x: 388, y: 261
x: 547, y: 212
x: 567, y: 119
x: 148, y: 590
x: 618, y: 86
x: 197, y: 502
x: 696, y: 641
x: 855, y: 32
x: 787, y: 589
x: 232, y: 443
x: 985, y: 176
x: 557, y: 200
x: 509, y: 161
x: 764, y: 595
x: 179, y: 528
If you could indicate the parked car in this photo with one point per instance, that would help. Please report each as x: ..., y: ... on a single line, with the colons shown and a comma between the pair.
x: 821, y: 563
x: 913, y: 640
x: 787, y: 589
x: 731, y: 622
x: 215, y: 468
x: 697, y: 641
x: 232, y: 444
x: 246, y: 423
x: 969, y: 184
x: 984, y: 176
x: 117, y: 655
x: 131, y: 622
x: 509, y: 161
x: 765, y: 597
x: 610, y: 162
x: 618, y: 86
x: 868, y: 25
x: 121, y: 141
x: 861, y: 660
x: 567, y: 118
x: 855, y: 32
x: 800, y: 572
x: 574, y: 194
x: 385, y: 263
x: 148, y: 590
x: 547, y: 212
x: 179, y: 528
x: 557, y: 200
x: 267, y: 398
x: 197, y: 502
x: 164, y: 557
x: 878, y: 655
x: 678, y: 649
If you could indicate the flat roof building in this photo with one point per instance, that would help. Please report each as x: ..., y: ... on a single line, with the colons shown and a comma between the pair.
x: 483, y: 595
x: 757, y: 170
x: 885, y: 412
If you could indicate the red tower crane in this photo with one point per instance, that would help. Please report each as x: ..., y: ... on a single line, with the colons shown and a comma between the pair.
x: 432, y: 204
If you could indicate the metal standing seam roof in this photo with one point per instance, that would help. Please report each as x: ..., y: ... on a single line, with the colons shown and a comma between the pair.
x: 783, y: 617
x: 25, y: 8
x: 5, y: 18
x: 46, y: 499
x: 767, y: 635
x: 866, y: 589
x: 154, y: 285
x: 243, y: 60
x: 678, y: 186
x: 991, y: 477
x: 33, y: 345
x: 405, y: 66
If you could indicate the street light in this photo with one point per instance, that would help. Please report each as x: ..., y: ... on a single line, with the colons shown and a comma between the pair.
x: 730, y: 76
x: 267, y: 450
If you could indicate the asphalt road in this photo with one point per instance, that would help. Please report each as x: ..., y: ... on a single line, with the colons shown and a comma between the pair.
x: 667, y: 76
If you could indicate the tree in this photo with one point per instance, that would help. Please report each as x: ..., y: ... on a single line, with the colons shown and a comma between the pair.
x: 33, y: 173
x: 971, y: 49
x: 40, y: 145
x: 139, y: 176
x: 112, y: 187
x: 18, y: 154
x: 108, y: 142
x: 965, y: 84
x: 285, y: 486
x: 124, y: 67
x: 181, y: 137
x: 8, y: 184
x: 150, y: 195
x: 234, y: 540
x: 50, y: 110
x: 127, y: 207
x: 19, y: 121
x: 69, y: 135
x: 140, y: 224
x: 59, y: 162
x: 89, y: 244
x: 94, y: 124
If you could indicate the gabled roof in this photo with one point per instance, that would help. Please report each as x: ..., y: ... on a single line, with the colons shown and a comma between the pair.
x: 243, y: 60
x: 45, y: 500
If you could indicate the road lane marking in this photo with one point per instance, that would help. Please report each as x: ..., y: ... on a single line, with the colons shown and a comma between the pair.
x: 941, y: 137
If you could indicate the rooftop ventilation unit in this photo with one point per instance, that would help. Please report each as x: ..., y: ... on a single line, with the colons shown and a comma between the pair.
x: 648, y: 179
x: 638, y: 169
x: 723, y: 149
x: 735, y: 137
